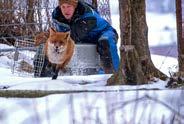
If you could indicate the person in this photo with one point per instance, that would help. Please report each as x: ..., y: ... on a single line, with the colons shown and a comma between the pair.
x: 87, y: 26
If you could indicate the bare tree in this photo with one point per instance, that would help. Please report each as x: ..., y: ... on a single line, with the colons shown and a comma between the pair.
x: 136, y: 65
x: 180, y: 36
x: 7, y: 17
x: 177, y: 80
x: 30, y: 13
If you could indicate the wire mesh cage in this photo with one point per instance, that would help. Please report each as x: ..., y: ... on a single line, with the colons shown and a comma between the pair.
x: 24, y: 53
x: 82, y: 63
x: 24, y: 19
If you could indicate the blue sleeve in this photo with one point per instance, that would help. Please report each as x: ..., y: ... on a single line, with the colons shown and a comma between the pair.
x: 111, y: 38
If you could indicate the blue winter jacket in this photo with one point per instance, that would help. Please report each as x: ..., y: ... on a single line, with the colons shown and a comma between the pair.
x: 87, y: 26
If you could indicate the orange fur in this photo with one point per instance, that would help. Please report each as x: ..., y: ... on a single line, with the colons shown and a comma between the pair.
x: 59, y: 48
x: 41, y: 38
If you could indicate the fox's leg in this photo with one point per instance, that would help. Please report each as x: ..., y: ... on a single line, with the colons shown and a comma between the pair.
x: 55, y: 71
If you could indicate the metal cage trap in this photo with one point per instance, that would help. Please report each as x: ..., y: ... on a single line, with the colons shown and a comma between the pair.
x: 15, y: 26
x: 29, y: 60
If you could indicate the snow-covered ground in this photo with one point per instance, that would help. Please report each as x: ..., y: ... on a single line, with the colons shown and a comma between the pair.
x: 112, y: 104
x: 15, y: 81
x: 99, y: 104
x: 91, y: 102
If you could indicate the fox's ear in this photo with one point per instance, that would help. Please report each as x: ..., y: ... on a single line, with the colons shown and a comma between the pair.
x: 52, y: 31
x: 67, y: 35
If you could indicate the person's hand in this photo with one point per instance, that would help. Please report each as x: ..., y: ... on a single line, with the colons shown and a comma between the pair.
x: 84, y: 26
x: 61, y: 27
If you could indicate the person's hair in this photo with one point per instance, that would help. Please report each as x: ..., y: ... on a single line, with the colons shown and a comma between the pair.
x: 72, y: 2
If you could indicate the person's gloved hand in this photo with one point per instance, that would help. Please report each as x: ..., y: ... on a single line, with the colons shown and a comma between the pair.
x: 82, y: 27
x: 61, y: 27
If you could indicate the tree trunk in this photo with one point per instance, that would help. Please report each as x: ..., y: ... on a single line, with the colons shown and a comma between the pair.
x: 7, y: 16
x: 30, y: 16
x: 134, y: 50
x: 39, y: 16
x: 180, y: 36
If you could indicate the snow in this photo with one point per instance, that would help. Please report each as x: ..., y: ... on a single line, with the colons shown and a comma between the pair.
x: 161, y: 28
x: 98, y: 104
x: 92, y: 102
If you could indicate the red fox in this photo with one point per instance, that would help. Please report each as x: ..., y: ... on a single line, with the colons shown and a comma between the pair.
x: 59, y: 49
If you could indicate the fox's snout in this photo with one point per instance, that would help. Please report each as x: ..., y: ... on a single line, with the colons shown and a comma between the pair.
x: 58, y: 49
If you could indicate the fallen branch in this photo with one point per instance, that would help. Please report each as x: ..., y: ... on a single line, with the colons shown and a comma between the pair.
x: 41, y: 93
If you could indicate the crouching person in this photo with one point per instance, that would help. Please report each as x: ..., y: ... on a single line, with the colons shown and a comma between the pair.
x: 87, y: 26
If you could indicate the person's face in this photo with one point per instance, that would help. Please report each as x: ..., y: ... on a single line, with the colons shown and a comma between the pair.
x: 67, y: 10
